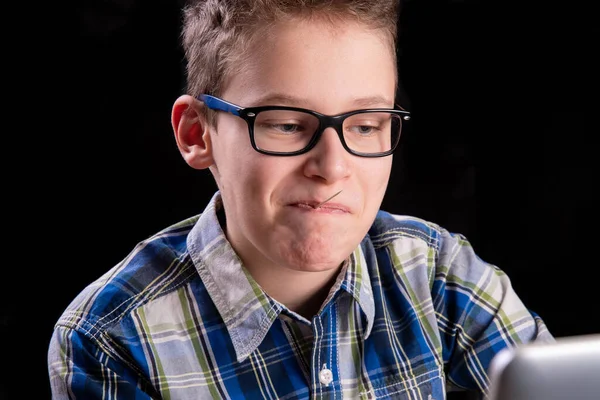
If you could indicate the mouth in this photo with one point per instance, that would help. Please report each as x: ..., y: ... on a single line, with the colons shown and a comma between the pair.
x: 321, y: 207
x: 326, y: 200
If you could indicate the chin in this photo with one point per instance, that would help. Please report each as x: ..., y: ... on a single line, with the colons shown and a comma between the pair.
x: 314, y: 257
x: 315, y: 266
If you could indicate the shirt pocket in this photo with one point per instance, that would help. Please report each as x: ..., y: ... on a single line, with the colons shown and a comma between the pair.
x: 426, y: 386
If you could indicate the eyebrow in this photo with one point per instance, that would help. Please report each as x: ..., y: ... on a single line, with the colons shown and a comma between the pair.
x: 373, y: 101
x: 287, y: 100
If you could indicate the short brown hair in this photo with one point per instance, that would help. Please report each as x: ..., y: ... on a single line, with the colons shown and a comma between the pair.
x: 216, y: 32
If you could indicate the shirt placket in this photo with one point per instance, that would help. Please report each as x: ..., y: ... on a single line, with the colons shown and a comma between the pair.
x: 325, y: 379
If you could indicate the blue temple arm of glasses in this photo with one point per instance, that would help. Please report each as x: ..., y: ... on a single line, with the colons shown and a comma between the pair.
x: 214, y: 103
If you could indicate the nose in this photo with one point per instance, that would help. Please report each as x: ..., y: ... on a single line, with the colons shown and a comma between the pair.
x: 328, y: 160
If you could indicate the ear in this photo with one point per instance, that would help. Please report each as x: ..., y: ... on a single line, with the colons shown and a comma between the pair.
x: 192, y: 132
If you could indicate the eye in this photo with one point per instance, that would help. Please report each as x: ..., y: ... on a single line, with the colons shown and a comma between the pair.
x: 285, y: 123
x: 364, y: 129
x: 287, y: 127
x: 282, y: 127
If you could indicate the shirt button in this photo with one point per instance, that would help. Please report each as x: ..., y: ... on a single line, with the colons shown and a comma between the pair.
x: 325, y: 376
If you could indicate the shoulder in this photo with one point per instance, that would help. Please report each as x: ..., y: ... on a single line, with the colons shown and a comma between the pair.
x: 155, y: 267
x: 389, y: 228
x: 406, y: 234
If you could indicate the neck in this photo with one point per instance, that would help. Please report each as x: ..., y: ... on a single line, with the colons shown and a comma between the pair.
x: 301, y: 291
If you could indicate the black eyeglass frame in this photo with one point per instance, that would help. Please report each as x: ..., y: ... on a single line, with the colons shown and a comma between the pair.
x: 336, y: 122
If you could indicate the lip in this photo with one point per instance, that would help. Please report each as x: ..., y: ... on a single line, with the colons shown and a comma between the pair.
x: 327, y: 208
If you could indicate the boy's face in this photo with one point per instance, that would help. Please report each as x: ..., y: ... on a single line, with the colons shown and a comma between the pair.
x: 266, y: 198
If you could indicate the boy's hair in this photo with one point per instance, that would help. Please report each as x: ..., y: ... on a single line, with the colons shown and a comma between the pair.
x: 218, y: 34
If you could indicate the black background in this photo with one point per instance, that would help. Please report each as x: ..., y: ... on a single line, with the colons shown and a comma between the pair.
x: 504, y: 97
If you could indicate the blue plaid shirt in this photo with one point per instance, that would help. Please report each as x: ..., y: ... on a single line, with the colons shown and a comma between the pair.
x: 414, y: 313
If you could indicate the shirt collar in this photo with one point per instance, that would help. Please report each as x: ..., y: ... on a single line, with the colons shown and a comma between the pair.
x: 247, y: 311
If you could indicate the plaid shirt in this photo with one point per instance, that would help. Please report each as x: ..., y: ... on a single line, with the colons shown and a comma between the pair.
x: 413, y: 313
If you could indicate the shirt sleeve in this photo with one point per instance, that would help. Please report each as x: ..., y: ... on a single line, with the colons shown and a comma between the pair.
x: 80, y: 369
x: 478, y: 314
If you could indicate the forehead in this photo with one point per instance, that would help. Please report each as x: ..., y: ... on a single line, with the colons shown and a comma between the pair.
x: 325, y: 64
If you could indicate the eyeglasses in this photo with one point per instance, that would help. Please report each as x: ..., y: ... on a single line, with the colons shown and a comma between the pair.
x: 290, y: 131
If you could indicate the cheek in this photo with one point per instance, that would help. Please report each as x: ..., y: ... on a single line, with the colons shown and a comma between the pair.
x: 374, y: 182
x: 233, y: 158
x: 272, y: 172
x: 375, y: 176
x: 256, y: 179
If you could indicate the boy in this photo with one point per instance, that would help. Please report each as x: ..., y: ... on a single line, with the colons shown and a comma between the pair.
x: 291, y: 284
